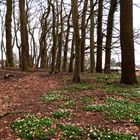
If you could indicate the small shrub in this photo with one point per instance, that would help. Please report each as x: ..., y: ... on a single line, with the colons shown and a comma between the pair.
x: 32, y: 127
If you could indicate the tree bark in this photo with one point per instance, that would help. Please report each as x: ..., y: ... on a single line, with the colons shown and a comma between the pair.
x: 99, y: 38
x: 77, y: 42
x: 92, y: 59
x: 113, y: 6
x: 128, y: 75
x: 9, y: 47
x: 23, y: 29
x: 83, y: 34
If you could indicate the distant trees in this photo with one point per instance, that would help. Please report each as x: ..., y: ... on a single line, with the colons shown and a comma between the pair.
x: 68, y: 36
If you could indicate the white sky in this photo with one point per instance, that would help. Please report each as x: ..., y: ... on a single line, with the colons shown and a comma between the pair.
x: 136, y: 19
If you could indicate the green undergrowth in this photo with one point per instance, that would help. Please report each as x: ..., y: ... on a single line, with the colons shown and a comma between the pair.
x: 79, y: 87
x: 71, y: 104
x: 87, y: 99
x: 118, y: 109
x: 61, y: 114
x: 32, y: 127
x: 110, y: 83
x: 54, y: 95
x: 106, y: 134
x: 71, y: 132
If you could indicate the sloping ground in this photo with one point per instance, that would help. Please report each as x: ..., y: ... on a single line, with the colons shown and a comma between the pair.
x: 22, y: 94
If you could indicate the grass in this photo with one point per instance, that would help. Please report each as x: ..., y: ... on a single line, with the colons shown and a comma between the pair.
x: 79, y: 87
x: 71, y: 132
x: 118, y: 109
x: 106, y: 134
x: 110, y: 84
x: 70, y: 104
x: 87, y: 99
x: 32, y: 127
x: 60, y: 114
x: 54, y: 96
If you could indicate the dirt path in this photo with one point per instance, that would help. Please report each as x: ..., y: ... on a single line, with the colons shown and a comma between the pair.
x: 21, y: 94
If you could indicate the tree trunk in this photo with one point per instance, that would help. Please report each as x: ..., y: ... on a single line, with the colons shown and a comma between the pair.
x: 71, y: 57
x: 83, y: 33
x: 77, y: 42
x: 99, y: 38
x: 60, y: 41
x: 92, y: 59
x: 113, y: 6
x: 66, y: 44
x: 54, y: 40
x: 128, y: 75
x: 9, y: 47
x: 23, y: 29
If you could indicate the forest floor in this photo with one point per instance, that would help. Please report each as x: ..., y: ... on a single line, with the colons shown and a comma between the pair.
x: 98, y: 108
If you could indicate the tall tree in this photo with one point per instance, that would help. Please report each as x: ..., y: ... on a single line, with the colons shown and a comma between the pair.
x: 99, y: 37
x: 60, y: 40
x: 83, y: 35
x: 9, y: 47
x: 23, y: 31
x: 128, y: 75
x: 54, y: 39
x: 113, y: 6
x: 92, y: 60
x: 77, y: 42
x: 64, y: 68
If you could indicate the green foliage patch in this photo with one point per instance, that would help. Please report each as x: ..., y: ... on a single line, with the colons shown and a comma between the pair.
x: 70, y: 104
x: 95, y: 133
x: 61, y: 114
x: 54, y: 96
x: 87, y: 99
x: 118, y: 109
x: 32, y: 127
x: 79, y: 87
x: 71, y: 132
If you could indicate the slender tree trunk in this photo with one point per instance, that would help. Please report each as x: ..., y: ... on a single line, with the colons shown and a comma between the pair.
x: 9, y: 47
x: 71, y: 57
x: 92, y: 59
x: 128, y: 75
x: 113, y: 6
x: 77, y: 42
x: 60, y: 41
x: 54, y: 40
x: 24, y: 47
x: 66, y: 44
x: 83, y: 32
x: 99, y: 38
